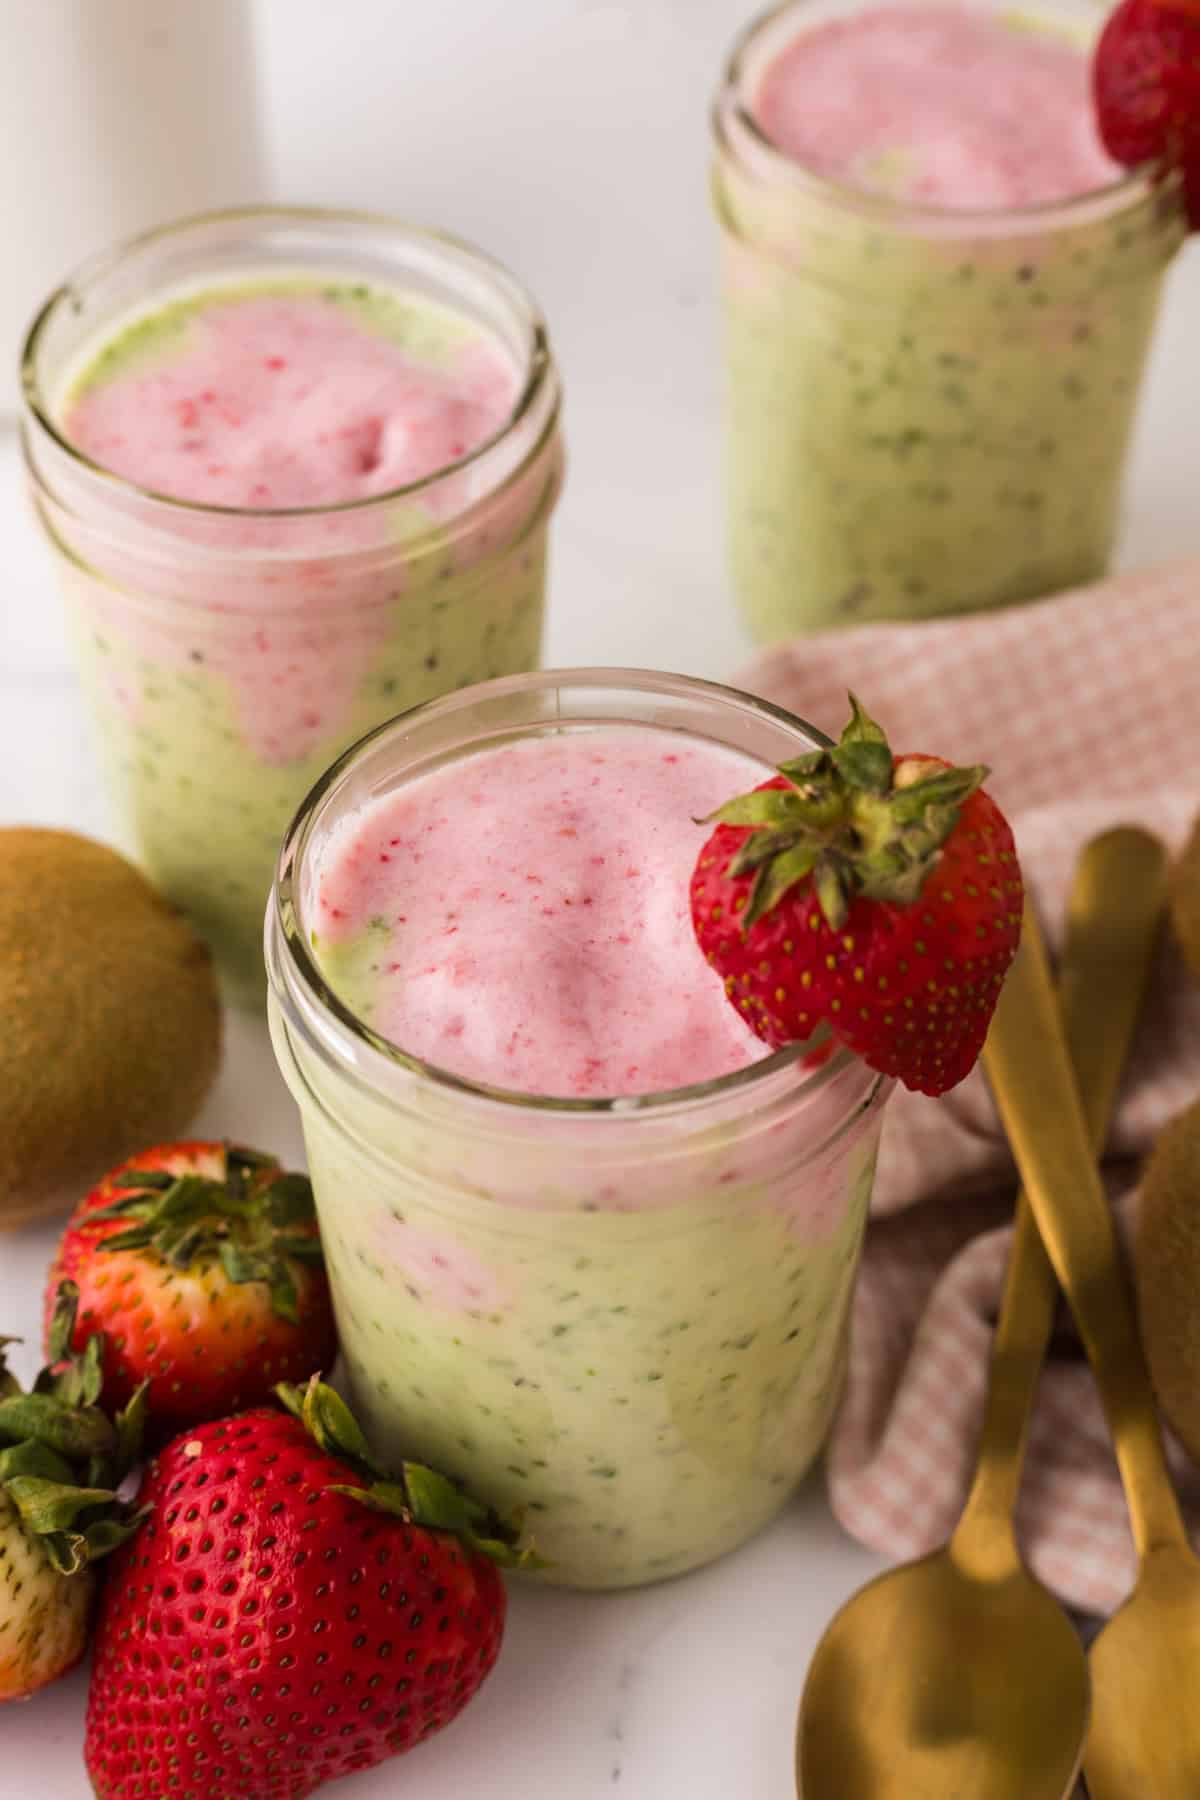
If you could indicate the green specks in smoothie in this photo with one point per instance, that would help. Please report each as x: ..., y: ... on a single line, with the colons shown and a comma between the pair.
x: 638, y: 1453
x: 1011, y: 347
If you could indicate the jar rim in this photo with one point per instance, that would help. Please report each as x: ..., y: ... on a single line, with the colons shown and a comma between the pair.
x: 537, y: 357
x: 731, y: 112
x: 308, y: 1002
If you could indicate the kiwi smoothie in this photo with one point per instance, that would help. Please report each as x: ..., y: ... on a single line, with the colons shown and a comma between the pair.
x: 939, y: 295
x: 592, y: 1248
x: 298, y: 471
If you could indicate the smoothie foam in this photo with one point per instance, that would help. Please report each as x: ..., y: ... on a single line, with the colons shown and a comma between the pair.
x: 628, y: 1319
x: 289, y: 395
x: 521, y: 917
x: 938, y: 105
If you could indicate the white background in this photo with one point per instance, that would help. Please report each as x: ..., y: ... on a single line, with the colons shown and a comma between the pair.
x: 568, y: 137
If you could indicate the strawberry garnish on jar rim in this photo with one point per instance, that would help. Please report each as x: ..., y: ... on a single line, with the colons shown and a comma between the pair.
x: 871, y: 896
x: 1146, y: 87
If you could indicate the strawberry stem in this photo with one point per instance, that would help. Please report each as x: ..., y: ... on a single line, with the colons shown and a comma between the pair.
x: 62, y: 1458
x: 851, y: 818
x: 255, y: 1219
x: 414, y: 1493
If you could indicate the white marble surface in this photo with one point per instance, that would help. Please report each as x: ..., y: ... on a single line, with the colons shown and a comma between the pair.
x: 567, y: 136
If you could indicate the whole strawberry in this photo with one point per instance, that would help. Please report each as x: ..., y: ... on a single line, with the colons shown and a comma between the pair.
x: 287, y: 1613
x: 62, y: 1459
x: 871, y: 897
x: 202, y: 1264
x: 1146, y: 85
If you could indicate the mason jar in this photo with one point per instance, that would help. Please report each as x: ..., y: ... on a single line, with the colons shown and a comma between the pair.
x: 927, y: 411
x: 624, y: 1318
x: 229, y: 654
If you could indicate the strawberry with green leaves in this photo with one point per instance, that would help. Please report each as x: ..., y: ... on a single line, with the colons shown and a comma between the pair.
x: 62, y: 1461
x: 201, y: 1263
x: 288, y: 1612
x: 1146, y: 85
x: 871, y: 897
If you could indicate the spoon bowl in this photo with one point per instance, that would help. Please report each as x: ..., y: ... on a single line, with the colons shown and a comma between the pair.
x: 997, y: 1704
x: 1145, y: 1738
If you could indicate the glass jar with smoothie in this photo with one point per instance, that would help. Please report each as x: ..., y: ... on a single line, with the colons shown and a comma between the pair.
x: 297, y: 469
x: 592, y: 1246
x: 938, y: 296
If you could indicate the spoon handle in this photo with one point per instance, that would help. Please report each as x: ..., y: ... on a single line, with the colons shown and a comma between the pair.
x: 1030, y: 1072
x: 1113, y: 916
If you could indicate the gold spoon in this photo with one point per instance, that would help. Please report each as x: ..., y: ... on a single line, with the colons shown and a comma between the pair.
x: 1145, y: 1665
x: 959, y: 1675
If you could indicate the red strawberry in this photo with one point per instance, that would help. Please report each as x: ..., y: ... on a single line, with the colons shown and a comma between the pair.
x: 62, y: 1460
x: 1146, y: 83
x: 878, y: 898
x: 202, y: 1265
x: 287, y: 1614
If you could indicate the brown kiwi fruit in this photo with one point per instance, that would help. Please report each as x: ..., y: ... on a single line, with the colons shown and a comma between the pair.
x: 1185, y: 899
x: 1167, y: 1269
x: 111, y: 1021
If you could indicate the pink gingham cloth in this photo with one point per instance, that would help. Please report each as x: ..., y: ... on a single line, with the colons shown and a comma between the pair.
x: 1087, y: 709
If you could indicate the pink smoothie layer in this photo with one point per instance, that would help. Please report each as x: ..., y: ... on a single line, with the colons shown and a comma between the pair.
x: 938, y: 105
x: 521, y: 917
x: 277, y: 400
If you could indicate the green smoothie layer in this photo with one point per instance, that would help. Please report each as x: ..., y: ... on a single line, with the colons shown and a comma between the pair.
x: 644, y: 1353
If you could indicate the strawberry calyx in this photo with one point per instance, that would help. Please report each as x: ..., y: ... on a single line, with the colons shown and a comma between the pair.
x: 63, y: 1459
x: 418, y: 1495
x: 850, y: 817
x: 255, y: 1219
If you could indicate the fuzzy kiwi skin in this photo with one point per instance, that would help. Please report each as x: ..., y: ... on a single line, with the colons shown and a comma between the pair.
x: 1185, y: 899
x: 1167, y: 1268
x: 111, y: 1017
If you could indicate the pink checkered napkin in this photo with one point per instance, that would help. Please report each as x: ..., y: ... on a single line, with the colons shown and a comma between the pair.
x: 1087, y: 708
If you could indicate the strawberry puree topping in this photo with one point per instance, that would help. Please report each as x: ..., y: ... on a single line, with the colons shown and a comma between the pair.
x: 938, y: 105
x: 276, y: 401
x: 521, y: 917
